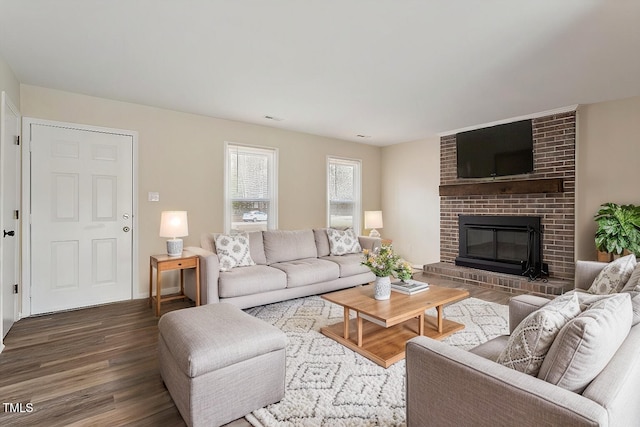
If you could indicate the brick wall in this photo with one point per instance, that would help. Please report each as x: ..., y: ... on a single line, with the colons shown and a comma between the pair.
x: 553, y: 157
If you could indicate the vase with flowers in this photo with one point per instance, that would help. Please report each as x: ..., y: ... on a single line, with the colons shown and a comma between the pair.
x: 384, y: 263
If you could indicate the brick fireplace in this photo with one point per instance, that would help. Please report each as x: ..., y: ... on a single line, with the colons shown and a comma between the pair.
x: 554, y: 158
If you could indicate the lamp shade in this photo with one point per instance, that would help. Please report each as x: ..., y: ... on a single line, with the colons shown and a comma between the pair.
x: 174, y: 224
x: 373, y: 219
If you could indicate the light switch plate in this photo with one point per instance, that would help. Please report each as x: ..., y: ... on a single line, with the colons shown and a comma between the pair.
x: 154, y: 196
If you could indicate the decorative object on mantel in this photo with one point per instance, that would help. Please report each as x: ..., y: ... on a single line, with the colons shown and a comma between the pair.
x: 383, y: 262
x: 522, y: 186
x: 618, y: 231
x: 174, y: 224
x: 373, y: 220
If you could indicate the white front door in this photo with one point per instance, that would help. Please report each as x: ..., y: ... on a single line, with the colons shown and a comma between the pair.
x: 81, y: 217
x: 9, y: 211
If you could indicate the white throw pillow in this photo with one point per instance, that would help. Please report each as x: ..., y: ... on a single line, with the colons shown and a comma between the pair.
x: 343, y: 242
x: 233, y: 251
x: 530, y: 341
x: 585, y: 345
x: 613, y: 276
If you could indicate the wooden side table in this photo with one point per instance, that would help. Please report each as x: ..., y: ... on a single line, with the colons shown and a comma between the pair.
x: 165, y: 262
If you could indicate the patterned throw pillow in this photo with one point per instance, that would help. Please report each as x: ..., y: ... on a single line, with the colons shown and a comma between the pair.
x: 343, y: 242
x: 613, y: 276
x: 233, y: 251
x: 530, y: 341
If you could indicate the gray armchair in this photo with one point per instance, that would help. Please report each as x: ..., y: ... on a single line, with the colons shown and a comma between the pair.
x: 449, y: 386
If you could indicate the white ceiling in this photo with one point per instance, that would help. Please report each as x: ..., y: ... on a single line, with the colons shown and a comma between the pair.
x: 394, y: 70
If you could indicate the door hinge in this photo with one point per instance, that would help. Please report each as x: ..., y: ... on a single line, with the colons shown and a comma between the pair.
x: 16, y: 214
x: 15, y: 288
x: 17, y: 139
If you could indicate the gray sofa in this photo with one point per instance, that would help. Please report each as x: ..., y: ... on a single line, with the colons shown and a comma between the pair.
x: 289, y: 264
x: 449, y: 386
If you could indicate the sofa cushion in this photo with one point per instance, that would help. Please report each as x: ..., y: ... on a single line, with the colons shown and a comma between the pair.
x: 633, y: 284
x: 322, y: 241
x: 491, y: 349
x: 308, y: 271
x: 585, y: 345
x: 213, y: 336
x: 530, y: 341
x: 635, y: 307
x: 233, y: 251
x: 256, y: 247
x: 613, y: 276
x: 285, y: 245
x: 350, y: 264
x: 343, y: 242
x: 250, y: 280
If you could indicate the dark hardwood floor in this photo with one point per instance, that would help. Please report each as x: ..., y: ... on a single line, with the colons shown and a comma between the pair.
x: 98, y: 366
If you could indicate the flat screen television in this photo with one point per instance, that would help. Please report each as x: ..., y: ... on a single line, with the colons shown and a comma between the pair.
x: 499, y: 150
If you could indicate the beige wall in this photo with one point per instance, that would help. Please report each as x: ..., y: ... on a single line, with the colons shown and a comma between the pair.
x: 181, y: 157
x: 9, y: 83
x: 410, y: 200
x: 608, y: 155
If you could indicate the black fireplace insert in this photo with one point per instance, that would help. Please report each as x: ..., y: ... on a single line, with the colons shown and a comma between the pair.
x: 504, y: 244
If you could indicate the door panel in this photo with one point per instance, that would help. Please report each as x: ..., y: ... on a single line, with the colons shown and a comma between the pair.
x: 82, y: 202
x: 9, y: 207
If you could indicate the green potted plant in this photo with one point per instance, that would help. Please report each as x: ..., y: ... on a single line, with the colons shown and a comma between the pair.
x: 618, y: 230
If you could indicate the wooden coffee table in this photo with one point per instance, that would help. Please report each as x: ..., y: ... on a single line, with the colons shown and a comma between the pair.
x: 382, y: 328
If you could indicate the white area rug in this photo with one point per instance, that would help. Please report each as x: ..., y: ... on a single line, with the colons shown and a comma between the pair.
x: 329, y: 385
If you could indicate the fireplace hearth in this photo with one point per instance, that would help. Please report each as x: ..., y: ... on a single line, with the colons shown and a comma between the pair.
x: 504, y: 244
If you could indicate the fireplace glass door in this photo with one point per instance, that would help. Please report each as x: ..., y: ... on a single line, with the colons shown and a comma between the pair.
x: 496, y: 244
x: 511, y: 245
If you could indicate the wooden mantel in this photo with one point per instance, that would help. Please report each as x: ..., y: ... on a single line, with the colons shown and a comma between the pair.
x: 524, y: 186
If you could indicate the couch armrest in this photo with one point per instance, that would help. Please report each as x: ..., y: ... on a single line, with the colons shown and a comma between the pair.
x: 369, y: 243
x: 586, y: 272
x: 446, y: 385
x: 209, y: 273
x: 522, y: 306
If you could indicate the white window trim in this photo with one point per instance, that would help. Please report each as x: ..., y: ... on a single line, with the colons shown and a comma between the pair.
x: 357, y: 190
x: 273, y: 181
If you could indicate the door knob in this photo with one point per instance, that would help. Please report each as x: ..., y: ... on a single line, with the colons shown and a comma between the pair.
x: 9, y: 233
x: 125, y: 229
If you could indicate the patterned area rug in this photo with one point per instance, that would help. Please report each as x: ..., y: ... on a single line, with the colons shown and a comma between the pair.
x: 329, y: 385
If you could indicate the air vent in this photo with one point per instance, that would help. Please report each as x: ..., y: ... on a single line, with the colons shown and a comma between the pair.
x: 363, y: 136
x: 274, y: 118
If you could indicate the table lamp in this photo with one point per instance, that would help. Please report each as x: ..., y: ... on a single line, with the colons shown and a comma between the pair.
x: 174, y: 224
x: 373, y: 220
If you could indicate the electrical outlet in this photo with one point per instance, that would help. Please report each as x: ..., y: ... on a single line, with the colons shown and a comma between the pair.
x: 154, y: 196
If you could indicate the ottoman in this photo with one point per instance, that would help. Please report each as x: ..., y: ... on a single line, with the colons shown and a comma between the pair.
x: 220, y: 363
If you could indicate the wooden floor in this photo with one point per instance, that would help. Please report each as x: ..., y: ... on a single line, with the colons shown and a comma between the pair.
x: 98, y: 366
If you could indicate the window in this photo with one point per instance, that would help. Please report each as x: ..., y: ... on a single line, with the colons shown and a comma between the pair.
x: 343, y: 193
x: 250, y: 188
